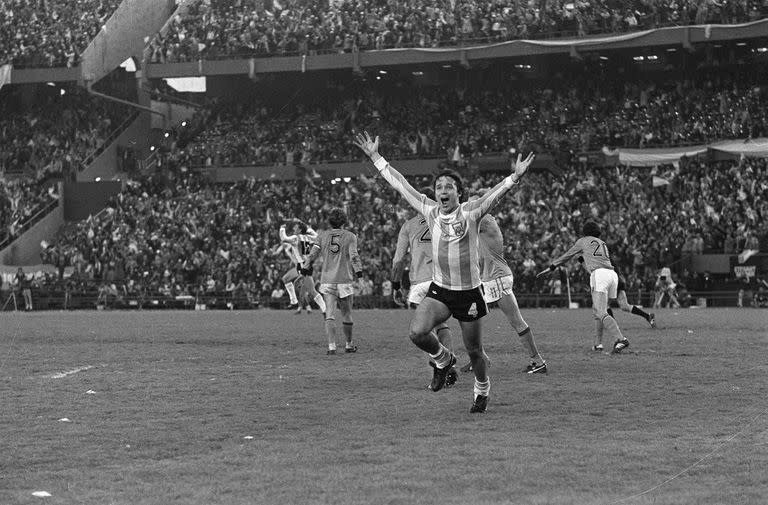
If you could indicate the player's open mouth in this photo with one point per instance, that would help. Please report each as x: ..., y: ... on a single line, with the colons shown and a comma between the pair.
x: 444, y: 200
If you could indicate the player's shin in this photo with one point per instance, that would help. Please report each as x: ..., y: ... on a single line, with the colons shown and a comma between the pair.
x: 611, y: 326
x: 320, y: 302
x: 291, y: 289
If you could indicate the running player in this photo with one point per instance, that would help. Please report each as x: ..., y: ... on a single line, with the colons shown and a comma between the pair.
x: 297, y: 247
x: 497, y: 287
x: 341, y: 269
x: 415, y: 237
x: 603, y: 282
x: 456, y: 286
x: 621, y: 299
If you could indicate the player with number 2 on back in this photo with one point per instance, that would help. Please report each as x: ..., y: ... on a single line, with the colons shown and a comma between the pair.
x: 456, y: 288
x: 603, y: 281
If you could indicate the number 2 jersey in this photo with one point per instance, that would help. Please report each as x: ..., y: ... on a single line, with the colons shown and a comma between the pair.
x: 415, y: 237
x: 341, y: 260
x: 493, y: 265
x: 594, y: 251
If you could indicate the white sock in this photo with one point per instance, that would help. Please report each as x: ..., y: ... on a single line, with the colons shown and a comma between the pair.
x: 442, y: 358
x: 291, y: 292
x: 332, y: 347
x: 320, y: 302
x: 482, y: 388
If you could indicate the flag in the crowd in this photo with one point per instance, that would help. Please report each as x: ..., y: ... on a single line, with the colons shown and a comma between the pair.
x: 746, y: 254
x: 659, y: 181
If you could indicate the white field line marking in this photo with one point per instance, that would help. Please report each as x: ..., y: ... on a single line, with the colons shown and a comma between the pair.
x: 701, y: 460
x: 61, y: 375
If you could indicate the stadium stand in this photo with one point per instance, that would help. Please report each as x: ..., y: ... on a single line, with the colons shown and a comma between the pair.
x: 175, y: 237
x: 52, y: 33
x: 231, y: 29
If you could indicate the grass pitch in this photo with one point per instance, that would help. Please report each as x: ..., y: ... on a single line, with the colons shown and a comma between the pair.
x: 245, y: 408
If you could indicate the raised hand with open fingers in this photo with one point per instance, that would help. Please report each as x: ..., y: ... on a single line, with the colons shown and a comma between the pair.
x: 521, y: 165
x: 370, y: 146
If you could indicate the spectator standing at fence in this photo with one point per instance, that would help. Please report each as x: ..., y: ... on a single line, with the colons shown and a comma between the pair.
x: 24, y: 283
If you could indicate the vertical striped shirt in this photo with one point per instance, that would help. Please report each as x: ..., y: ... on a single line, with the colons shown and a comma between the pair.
x: 455, y: 236
x: 493, y: 265
x: 298, y: 246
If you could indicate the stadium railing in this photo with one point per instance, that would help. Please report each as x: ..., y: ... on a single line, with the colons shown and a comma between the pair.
x: 58, y: 298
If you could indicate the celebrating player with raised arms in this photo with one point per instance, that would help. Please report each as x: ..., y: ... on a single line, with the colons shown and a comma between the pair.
x: 456, y: 285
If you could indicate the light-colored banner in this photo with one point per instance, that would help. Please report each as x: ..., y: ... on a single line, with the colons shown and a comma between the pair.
x: 5, y: 74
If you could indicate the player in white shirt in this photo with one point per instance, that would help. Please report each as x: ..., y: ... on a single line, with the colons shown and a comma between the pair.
x: 297, y: 247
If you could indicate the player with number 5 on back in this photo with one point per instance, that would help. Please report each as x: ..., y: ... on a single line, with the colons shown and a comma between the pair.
x: 456, y: 288
x: 603, y: 282
x: 341, y: 269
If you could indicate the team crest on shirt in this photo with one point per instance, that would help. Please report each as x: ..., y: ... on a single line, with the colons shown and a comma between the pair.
x: 458, y: 229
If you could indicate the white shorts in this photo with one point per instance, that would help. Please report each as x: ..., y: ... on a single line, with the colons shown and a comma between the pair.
x: 418, y: 291
x: 495, y: 289
x: 338, y: 290
x: 604, y: 280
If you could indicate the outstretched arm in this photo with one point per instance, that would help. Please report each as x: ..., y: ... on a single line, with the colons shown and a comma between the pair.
x: 370, y: 147
x: 486, y: 202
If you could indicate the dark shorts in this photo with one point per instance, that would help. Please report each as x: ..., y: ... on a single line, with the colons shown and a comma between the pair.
x: 465, y: 306
x: 622, y: 286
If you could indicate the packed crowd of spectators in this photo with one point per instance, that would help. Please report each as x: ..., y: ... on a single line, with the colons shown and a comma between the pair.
x: 232, y: 28
x: 184, y: 236
x: 568, y: 113
x: 49, y: 33
x: 45, y: 138
x: 54, y: 32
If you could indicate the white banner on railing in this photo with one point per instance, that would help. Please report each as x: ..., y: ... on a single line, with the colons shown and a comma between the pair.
x: 5, y: 74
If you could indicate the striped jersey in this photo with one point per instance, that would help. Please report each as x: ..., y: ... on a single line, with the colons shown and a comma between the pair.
x: 455, y: 236
x: 592, y: 249
x: 493, y: 265
x: 341, y: 261
x: 415, y: 237
x: 297, y: 247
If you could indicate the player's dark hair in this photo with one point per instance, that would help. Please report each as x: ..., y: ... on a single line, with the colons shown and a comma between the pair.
x: 303, y: 228
x: 456, y: 177
x: 591, y: 229
x: 430, y: 192
x: 337, y: 217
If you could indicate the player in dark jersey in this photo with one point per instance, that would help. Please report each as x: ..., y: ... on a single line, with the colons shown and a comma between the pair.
x: 603, y: 282
x: 342, y: 268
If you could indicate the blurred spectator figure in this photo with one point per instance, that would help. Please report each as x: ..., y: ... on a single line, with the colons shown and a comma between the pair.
x: 761, y: 297
x: 665, y: 290
x: 23, y: 283
x: 729, y: 244
x: 747, y: 287
x: 276, y: 298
